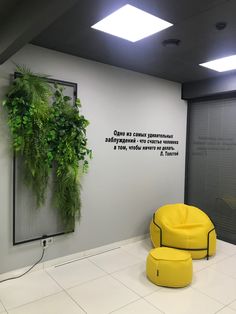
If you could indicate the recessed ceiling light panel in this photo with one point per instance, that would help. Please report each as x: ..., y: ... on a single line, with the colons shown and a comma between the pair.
x: 131, y: 24
x: 222, y: 64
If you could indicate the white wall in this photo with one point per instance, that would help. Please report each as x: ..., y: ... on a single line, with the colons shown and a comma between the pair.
x: 123, y: 188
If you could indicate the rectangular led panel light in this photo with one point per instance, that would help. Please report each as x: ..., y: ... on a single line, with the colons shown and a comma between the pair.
x: 222, y: 64
x: 131, y: 24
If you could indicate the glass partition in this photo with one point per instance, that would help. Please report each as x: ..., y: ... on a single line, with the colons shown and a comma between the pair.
x: 211, y: 163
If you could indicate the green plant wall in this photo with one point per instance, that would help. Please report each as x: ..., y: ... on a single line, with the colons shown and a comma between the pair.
x: 49, y: 134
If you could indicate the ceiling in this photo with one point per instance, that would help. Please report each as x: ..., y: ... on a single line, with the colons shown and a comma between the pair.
x: 66, y: 26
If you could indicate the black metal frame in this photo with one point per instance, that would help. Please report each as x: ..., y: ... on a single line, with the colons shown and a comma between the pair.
x: 187, y: 154
x: 184, y: 249
x: 44, y: 236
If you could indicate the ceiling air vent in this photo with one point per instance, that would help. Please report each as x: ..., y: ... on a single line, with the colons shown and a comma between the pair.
x: 172, y: 42
x: 221, y: 25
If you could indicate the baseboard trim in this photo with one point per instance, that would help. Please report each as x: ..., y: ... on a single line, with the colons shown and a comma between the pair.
x: 57, y: 262
x: 98, y: 250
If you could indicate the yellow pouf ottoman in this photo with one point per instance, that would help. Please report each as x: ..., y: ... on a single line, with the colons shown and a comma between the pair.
x: 169, y: 267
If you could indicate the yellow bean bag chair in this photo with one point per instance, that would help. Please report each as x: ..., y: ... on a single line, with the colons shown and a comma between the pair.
x: 184, y: 227
x: 169, y: 267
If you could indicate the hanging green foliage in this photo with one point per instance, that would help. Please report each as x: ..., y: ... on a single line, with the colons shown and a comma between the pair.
x: 28, y: 117
x: 70, y: 153
x: 50, y: 138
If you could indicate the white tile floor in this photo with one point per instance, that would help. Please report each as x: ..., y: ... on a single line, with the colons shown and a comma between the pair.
x: 115, y: 282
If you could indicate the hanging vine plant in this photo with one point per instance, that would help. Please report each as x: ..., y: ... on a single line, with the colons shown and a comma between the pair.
x: 50, y: 139
x: 28, y: 119
x: 69, y: 148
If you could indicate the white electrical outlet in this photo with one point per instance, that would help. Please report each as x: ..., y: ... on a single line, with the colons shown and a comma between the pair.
x: 46, y: 242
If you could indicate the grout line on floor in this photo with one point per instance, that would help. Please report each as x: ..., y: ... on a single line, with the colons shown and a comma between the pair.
x: 208, y: 266
x: 224, y: 273
x: 232, y: 302
x: 123, y: 306
x: 202, y: 292
x: 221, y: 309
x: 218, y: 271
x: 133, y: 254
x: 126, y: 286
x: 153, y: 304
x: 78, y: 284
x: 126, y: 267
x: 65, y: 290
x: 116, y: 271
x: 55, y: 280
x: 99, y: 267
x: 75, y: 301
x: 34, y: 301
x: 3, y: 306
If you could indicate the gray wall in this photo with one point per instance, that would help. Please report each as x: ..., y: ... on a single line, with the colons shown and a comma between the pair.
x: 122, y: 188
